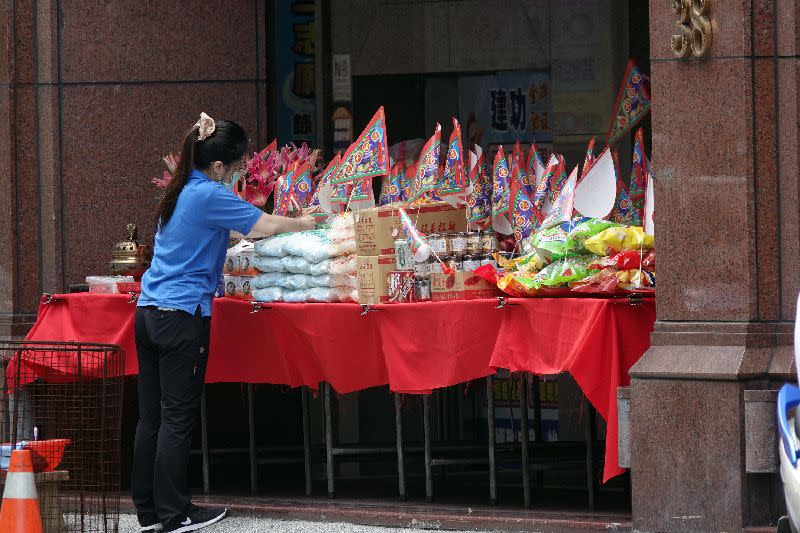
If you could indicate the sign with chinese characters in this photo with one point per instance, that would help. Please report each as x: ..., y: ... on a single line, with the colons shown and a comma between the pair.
x: 342, y: 79
x: 295, y: 70
x: 507, y: 107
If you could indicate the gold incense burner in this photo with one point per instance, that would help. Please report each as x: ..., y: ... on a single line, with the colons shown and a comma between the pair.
x: 129, y: 257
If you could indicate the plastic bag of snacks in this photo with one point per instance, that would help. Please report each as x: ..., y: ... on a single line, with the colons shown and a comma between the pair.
x: 553, y: 244
x: 268, y: 264
x: 605, y: 280
x: 323, y: 280
x: 628, y: 260
x: 587, y: 228
x: 268, y: 294
x: 560, y: 273
x: 273, y: 246
x: 512, y: 285
x: 619, y: 239
x: 345, y: 247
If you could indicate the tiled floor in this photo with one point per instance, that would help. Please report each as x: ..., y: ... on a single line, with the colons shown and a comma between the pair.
x: 415, y: 515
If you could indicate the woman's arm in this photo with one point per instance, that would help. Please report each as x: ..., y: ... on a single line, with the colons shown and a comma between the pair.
x: 269, y: 225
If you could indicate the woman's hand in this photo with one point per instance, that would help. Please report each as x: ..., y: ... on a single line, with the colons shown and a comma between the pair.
x: 308, y: 221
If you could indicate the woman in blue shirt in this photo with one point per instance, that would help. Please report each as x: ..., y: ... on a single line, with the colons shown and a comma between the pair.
x: 194, y: 219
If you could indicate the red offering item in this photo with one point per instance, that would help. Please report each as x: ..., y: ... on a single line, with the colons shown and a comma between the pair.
x: 46, y: 454
x: 128, y: 286
x: 401, y: 286
x: 627, y: 260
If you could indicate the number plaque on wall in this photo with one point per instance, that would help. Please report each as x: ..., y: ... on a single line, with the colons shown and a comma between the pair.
x: 695, y: 28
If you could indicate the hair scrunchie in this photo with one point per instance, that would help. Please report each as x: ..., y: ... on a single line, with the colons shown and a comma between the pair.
x: 206, y: 127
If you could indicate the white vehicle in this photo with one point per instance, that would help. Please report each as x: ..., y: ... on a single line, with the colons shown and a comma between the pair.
x: 789, y: 443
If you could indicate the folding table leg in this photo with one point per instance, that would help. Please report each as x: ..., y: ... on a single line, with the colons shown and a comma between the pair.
x: 204, y: 443
x: 306, y: 420
x: 401, y: 463
x: 591, y: 436
x: 251, y: 421
x: 426, y: 426
x: 329, y: 440
x: 490, y: 427
x: 523, y: 401
x: 538, y: 436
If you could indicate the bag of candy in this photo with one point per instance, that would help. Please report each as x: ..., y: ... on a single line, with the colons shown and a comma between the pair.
x: 553, y: 244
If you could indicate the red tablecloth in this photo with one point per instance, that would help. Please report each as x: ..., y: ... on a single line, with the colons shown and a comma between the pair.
x: 411, y: 347
x: 595, y: 340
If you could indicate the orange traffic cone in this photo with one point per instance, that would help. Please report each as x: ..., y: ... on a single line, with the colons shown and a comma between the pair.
x: 20, y: 510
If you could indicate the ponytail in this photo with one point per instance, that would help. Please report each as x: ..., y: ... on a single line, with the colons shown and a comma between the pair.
x: 226, y: 142
x: 167, y: 204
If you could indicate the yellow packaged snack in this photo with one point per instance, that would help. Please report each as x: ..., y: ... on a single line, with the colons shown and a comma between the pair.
x: 621, y: 239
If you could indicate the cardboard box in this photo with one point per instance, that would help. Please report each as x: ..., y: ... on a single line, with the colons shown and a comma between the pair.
x: 461, y: 286
x: 373, y: 278
x: 375, y: 227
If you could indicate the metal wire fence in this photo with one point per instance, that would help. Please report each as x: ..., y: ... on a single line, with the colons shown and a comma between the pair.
x: 63, y: 401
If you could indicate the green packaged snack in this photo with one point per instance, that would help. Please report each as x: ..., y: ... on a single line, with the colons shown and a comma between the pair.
x: 553, y: 244
x: 560, y: 273
x: 589, y: 228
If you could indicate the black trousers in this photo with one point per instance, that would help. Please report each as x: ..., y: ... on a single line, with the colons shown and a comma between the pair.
x: 172, y: 348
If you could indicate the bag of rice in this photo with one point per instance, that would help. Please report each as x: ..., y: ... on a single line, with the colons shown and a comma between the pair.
x: 296, y: 296
x: 313, y: 245
x: 343, y: 265
x: 318, y: 269
x: 273, y: 246
x: 267, y: 280
x: 322, y: 294
x: 295, y: 265
x: 268, y: 264
x: 344, y: 280
x: 268, y: 294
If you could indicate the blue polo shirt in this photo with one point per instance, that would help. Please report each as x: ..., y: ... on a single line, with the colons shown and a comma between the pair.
x: 190, y: 250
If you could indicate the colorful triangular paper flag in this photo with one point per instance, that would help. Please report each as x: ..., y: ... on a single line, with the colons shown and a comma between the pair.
x: 633, y: 103
x: 368, y: 156
x: 596, y: 192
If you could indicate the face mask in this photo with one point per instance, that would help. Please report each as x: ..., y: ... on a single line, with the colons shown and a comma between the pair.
x: 234, y: 179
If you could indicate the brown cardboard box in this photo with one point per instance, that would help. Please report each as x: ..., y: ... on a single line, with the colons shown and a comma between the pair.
x: 461, y: 286
x: 373, y: 273
x: 374, y: 227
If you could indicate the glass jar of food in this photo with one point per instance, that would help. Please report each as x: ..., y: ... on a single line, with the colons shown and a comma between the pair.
x: 458, y: 244
x: 422, y: 269
x: 454, y: 262
x: 473, y: 243
x: 471, y: 262
x: 434, y: 266
x: 402, y: 254
x: 488, y: 259
x: 422, y: 289
x: 489, y: 242
x: 438, y: 243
